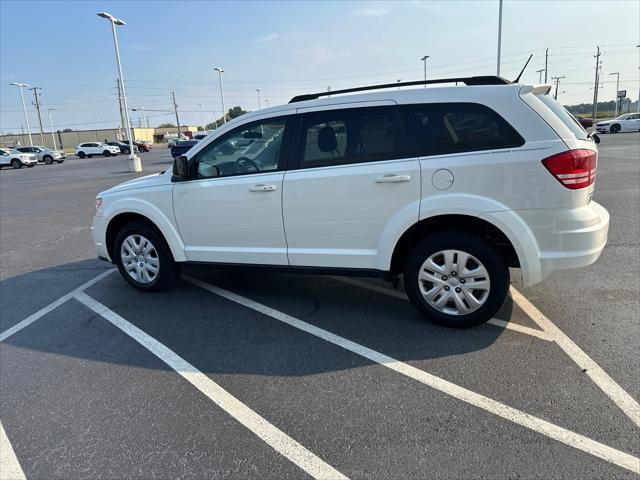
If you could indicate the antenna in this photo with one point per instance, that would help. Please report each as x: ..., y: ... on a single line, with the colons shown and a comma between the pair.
x: 523, y: 69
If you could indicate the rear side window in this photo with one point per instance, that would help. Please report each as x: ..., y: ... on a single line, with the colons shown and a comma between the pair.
x: 346, y: 136
x: 562, y: 113
x: 442, y: 128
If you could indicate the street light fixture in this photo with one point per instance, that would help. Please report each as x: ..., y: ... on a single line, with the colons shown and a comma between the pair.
x: 53, y: 137
x: 617, y: 74
x: 24, y: 108
x: 224, y: 115
x: 134, y: 160
x: 424, y: 60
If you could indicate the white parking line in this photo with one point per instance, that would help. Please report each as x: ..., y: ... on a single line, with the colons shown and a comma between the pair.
x: 614, y: 391
x: 494, y: 321
x: 275, y: 438
x: 52, y: 306
x: 536, y: 424
x: 10, y: 468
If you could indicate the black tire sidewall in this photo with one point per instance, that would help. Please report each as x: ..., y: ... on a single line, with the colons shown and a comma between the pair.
x: 476, y: 246
x: 106, y: 153
x: 16, y: 164
x: 82, y: 154
x: 615, y: 128
x: 167, y: 273
x: 47, y: 159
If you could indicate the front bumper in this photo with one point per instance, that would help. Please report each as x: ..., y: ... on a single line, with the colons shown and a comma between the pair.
x: 604, y: 129
x: 98, y: 234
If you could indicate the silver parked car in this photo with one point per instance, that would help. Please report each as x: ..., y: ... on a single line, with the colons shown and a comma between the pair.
x: 16, y: 159
x: 44, y: 154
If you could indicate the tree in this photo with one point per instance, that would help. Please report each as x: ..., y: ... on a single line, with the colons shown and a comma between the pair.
x: 231, y: 114
x: 166, y: 125
x: 200, y: 128
x: 67, y: 130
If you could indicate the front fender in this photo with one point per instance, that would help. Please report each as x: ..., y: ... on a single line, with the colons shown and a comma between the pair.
x: 149, y: 210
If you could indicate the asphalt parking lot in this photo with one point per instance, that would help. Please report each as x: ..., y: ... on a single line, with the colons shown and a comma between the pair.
x: 260, y: 375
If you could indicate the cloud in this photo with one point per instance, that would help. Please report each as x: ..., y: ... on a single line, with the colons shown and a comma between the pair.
x: 370, y: 12
x: 270, y: 37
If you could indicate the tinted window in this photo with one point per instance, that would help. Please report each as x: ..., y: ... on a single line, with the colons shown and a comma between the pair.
x: 441, y: 128
x: 564, y: 115
x: 348, y: 136
x: 250, y: 148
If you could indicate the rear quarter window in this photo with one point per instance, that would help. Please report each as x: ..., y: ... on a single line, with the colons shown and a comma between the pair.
x: 444, y: 128
x: 563, y: 114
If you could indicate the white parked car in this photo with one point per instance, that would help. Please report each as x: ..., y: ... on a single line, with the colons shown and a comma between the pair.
x: 16, y: 159
x: 91, y: 149
x: 446, y: 186
x: 629, y: 122
x: 44, y: 154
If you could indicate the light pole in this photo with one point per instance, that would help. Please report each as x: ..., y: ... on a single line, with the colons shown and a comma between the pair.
x: 53, y: 137
x: 540, y: 72
x: 24, y: 109
x: 499, y: 35
x: 557, y: 79
x: 638, y: 104
x: 224, y: 113
x: 204, y: 125
x: 617, y: 74
x: 259, y: 105
x: 424, y: 60
x: 266, y: 100
x: 144, y: 115
x: 134, y: 160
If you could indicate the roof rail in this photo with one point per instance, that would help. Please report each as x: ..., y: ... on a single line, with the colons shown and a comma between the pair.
x: 483, y: 80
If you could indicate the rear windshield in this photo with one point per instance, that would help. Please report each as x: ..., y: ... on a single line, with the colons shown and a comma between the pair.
x: 562, y: 113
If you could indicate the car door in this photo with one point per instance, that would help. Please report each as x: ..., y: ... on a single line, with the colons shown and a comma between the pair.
x: 230, y: 211
x: 351, y: 187
x: 5, y: 158
x: 632, y: 123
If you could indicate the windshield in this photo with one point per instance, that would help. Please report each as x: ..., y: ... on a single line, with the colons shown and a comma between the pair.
x: 566, y: 117
x: 14, y: 151
x: 623, y: 117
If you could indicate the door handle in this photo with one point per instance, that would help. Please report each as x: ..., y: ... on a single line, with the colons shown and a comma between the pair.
x: 261, y: 187
x: 393, y: 178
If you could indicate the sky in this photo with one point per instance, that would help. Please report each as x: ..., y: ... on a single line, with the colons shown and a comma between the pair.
x: 288, y: 48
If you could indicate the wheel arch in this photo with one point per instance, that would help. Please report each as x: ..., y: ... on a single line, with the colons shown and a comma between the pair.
x: 459, y: 222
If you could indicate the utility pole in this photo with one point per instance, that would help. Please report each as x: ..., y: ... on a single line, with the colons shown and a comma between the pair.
x: 499, y: 36
x: 37, y: 104
x: 175, y: 109
x: 557, y: 79
x: 424, y: 60
x: 546, y: 64
x: 595, y: 88
x: 53, y: 137
x: 259, y: 105
x: 617, y: 90
x: 540, y: 72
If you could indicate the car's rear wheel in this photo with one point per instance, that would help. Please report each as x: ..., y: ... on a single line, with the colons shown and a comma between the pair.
x: 48, y: 159
x: 15, y: 163
x: 615, y: 128
x: 82, y: 154
x: 106, y: 153
x: 456, y: 279
x: 144, y: 258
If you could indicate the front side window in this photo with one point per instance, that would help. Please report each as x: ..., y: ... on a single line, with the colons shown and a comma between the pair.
x: 439, y: 129
x: 346, y: 136
x: 251, y: 148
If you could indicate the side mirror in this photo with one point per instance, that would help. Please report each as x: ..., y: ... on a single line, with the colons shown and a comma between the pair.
x: 595, y: 137
x: 179, y: 169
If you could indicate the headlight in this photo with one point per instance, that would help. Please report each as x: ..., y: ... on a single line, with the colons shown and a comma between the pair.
x: 98, y: 203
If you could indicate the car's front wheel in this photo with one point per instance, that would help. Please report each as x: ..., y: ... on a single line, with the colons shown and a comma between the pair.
x: 615, y: 128
x: 456, y: 279
x: 106, y: 153
x: 82, y: 154
x: 15, y: 163
x: 144, y: 258
x: 47, y: 159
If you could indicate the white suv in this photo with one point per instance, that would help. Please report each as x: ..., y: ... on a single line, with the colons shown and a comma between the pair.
x: 91, y: 149
x: 447, y: 186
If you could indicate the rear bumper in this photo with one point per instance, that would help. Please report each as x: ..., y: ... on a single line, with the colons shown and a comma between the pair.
x: 550, y: 240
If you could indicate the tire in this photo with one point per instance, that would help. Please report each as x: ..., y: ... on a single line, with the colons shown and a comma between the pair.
x: 48, y: 159
x: 106, y: 153
x: 615, y: 128
x: 15, y: 163
x: 82, y: 154
x: 451, y: 282
x: 167, y: 272
x: 126, y: 151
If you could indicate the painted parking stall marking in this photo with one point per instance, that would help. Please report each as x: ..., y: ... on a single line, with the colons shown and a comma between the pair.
x: 550, y: 332
x: 10, y: 468
x: 531, y: 422
x: 275, y: 438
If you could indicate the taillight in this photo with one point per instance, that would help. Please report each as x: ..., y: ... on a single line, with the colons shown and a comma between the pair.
x: 574, y: 168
